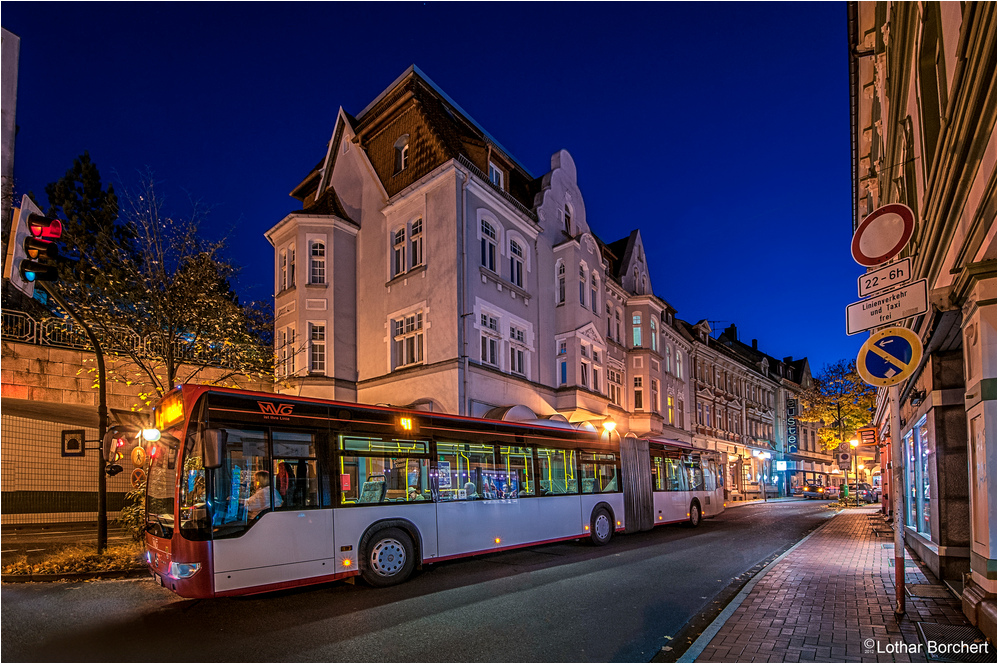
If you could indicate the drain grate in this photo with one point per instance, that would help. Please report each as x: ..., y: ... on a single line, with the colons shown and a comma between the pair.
x: 926, y: 590
x: 908, y: 562
x: 948, y: 643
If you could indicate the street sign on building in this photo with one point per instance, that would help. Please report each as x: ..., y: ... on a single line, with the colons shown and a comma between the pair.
x: 867, y: 435
x: 890, y: 275
x: 889, y: 357
x: 883, y: 234
x: 888, y: 307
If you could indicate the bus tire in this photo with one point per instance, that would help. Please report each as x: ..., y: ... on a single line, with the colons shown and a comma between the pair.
x: 600, y: 526
x: 696, y: 516
x: 388, y: 558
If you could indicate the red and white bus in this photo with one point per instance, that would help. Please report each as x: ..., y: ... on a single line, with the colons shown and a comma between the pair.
x: 251, y: 492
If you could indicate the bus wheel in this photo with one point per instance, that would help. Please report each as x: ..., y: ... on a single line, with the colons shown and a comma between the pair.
x: 600, y: 527
x: 388, y: 558
x: 694, y: 514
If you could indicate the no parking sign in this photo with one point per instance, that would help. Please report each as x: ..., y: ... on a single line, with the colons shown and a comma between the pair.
x: 889, y: 357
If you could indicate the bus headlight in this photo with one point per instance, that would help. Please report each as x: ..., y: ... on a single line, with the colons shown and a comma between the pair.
x: 184, y: 570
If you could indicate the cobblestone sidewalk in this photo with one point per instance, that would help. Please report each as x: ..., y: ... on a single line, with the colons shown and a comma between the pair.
x: 832, y: 600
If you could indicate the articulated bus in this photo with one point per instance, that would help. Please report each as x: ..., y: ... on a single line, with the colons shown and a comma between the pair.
x: 251, y: 492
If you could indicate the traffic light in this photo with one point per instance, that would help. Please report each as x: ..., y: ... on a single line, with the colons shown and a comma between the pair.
x: 32, y: 253
x: 40, y: 249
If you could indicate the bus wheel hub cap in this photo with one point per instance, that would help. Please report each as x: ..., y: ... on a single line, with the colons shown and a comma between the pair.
x: 388, y: 557
x: 602, y: 526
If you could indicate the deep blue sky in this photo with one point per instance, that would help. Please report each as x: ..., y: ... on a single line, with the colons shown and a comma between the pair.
x: 721, y: 130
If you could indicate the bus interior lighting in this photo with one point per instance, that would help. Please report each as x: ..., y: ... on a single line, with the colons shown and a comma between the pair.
x: 151, y: 435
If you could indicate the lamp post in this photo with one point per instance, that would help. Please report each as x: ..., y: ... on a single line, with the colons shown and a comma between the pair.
x: 855, y: 473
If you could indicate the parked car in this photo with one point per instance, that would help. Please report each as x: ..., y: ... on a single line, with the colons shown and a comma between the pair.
x: 865, y: 492
x: 815, y: 491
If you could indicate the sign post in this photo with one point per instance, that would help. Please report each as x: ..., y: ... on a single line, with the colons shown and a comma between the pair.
x: 891, y: 356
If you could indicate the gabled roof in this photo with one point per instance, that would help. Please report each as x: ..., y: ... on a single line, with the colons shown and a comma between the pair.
x: 413, y: 70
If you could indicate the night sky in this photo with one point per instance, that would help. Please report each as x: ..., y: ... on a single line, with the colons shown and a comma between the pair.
x: 721, y: 130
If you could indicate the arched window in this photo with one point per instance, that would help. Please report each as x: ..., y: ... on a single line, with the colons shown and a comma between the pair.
x: 668, y: 358
x: 317, y: 263
x: 398, y: 252
x: 401, y: 153
x: 582, y: 285
x: 489, y: 238
x: 654, y: 333
x: 679, y: 364
x: 568, y: 219
x: 516, y: 263
x: 636, y: 329
x: 593, y: 292
x: 561, y: 283
x: 416, y: 243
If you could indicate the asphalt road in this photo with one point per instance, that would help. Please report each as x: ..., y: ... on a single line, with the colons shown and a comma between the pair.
x: 561, y: 602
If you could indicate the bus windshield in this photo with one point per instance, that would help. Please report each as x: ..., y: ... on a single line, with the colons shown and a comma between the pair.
x: 162, y: 479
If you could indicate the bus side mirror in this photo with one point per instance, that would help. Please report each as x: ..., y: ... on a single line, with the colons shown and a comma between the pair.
x: 214, y: 447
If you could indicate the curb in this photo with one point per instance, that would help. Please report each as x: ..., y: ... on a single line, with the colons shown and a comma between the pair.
x: 133, y: 573
x: 698, y: 646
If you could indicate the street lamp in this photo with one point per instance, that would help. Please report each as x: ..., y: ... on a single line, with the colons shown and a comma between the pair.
x: 855, y: 473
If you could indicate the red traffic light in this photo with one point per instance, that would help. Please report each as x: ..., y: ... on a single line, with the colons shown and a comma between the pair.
x: 44, y: 227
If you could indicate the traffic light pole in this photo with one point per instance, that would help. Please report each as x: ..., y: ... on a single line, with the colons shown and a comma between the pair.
x: 101, y: 418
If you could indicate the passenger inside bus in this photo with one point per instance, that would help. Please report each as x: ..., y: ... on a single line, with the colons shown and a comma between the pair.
x: 259, y: 501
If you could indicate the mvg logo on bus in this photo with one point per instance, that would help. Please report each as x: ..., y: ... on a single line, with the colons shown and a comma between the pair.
x: 276, y: 410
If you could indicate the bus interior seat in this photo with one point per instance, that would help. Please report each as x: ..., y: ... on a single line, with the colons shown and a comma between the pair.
x: 374, y: 490
x: 588, y: 485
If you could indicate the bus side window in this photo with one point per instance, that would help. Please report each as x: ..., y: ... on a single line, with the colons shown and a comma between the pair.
x: 467, y: 471
x: 516, y: 471
x: 245, y: 456
x: 557, y: 472
x: 295, y: 475
x: 658, y: 473
x: 599, y: 473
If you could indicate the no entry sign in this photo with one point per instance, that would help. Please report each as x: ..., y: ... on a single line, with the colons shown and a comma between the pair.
x: 883, y: 234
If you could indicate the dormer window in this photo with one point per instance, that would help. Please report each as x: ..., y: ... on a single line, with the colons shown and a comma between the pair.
x: 401, y: 153
x: 568, y: 220
x: 495, y: 175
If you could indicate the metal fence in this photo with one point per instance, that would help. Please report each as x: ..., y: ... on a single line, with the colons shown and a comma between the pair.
x: 64, y: 333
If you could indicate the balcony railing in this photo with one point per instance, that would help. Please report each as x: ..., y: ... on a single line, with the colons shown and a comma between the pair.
x: 464, y: 161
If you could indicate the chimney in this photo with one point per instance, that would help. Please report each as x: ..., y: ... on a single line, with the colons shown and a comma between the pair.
x: 732, y: 332
x: 788, y: 360
x: 755, y: 344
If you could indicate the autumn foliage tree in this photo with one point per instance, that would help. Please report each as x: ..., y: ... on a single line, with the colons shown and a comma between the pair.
x: 840, y: 400
x: 154, y: 288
